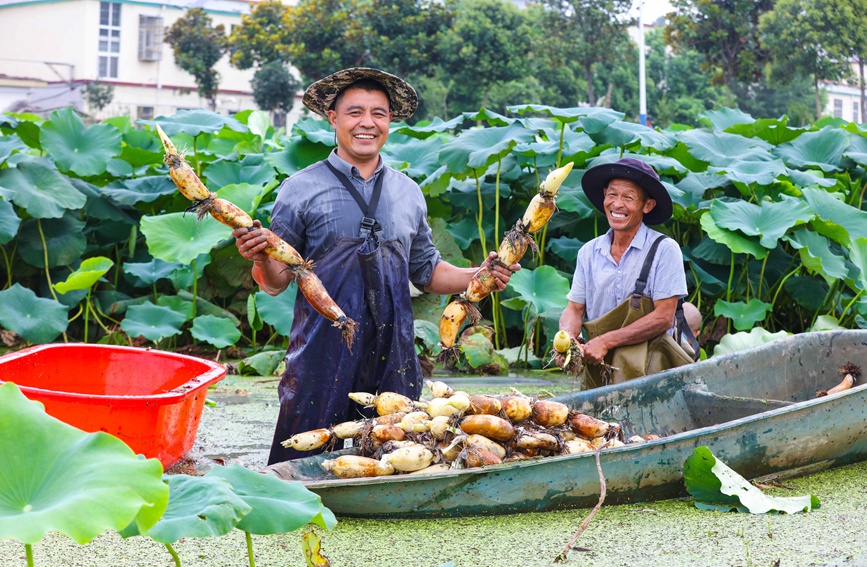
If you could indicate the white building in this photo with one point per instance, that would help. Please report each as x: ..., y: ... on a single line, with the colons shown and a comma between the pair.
x: 844, y: 101
x: 51, y: 50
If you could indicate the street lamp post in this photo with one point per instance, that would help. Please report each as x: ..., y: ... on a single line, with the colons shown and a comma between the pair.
x: 642, y: 88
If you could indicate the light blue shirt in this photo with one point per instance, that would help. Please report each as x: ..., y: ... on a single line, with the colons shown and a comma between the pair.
x: 601, y: 284
x: 314, y: 210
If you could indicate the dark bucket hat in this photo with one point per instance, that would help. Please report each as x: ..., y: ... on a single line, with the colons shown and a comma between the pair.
x: 596, y: 179
x: 320, y: 95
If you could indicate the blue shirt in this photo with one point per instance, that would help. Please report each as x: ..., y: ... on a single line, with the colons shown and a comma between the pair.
x: 601, y: 284
x: 314, y: 210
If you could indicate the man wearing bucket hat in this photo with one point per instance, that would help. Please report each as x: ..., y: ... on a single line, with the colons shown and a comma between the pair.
x: 629, y: 283
x: 365, y: 227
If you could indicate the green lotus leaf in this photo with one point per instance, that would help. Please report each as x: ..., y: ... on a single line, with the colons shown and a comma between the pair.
x: 244, y: 195
x: 768, y: 220
x: 78, y: 148
x: 823, y: 149
x: 251, y: 169
x: 825, y: 323
x: 775, y: 131
x: 37, y: 320
x: 176, y: 237
x: 662, y: 164
x: 695, y: 187
x: 59, y: 478
x: 278, y: 506
x: 215, y: 330
x: 65, y: 242
x: 565, y: 115
x: 148, y: 273
x: 743, y: 315
x: 140, y: 190
x: 724, y: 118
x: 316, y: 130
x: 715, y: 486
x: 615, y: 134
x: 597, y: 119
x: 87, y: 274
x: 650, y: 138
x: 807, y: 291
x: 261, y: 364
x: 424, y: 129
x: 749, y: 172
x: 278, y: 311
x: 858, y: 256
x: 195, y: 122
x: 152, y: 322
x: 8, y: 121
x: 40, y: 190
x: 809, y: 178
x: 177, y: 304
x: 542, y: 289
x: 205, y: 307
x: 721, y: 148
x: 837, y: 213
x: 479, y: 148
x: 416, y: 158
x: 199, y: 506
x: 101, y: 208
x: 9, y: 145
x: 184, y: 276
x: 254, y: 319
x: 28, y: 129
x: 566, y: 248
x: 736, y: 242
x: 735, y: 342
x: 478, y: 350
x: 574, y: 199
x: 9, y: 222
x: 427, y: 333
x: 298, y: 154
x: 489, y: 116
x: 446, y: 243
x: 816, y: 255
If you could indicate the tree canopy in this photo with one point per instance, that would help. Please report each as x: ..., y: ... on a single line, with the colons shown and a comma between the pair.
x: 197, y: 45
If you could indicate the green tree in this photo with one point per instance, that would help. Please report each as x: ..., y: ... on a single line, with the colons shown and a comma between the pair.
x: 487, y: 45
x: 725, y: 32
x: 274, y: 87
x: 98, y: 94
x: 197, y: 46
x: 796, y: 37
x: 262, y: 37
x: 590, y: 28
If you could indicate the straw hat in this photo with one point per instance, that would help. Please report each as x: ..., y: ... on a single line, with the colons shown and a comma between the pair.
x: 319, y: 97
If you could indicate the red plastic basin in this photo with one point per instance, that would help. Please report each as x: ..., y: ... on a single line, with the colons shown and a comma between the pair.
x: 150, y: 399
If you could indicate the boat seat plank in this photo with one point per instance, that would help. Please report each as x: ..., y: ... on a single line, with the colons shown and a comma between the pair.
x: 708, y: 408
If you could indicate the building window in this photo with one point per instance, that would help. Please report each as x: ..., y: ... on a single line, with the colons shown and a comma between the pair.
x: 855, y: 109
x: 838, y: 108
x: 109, y: 39
x: 150, y: 38
x: 145, y: 112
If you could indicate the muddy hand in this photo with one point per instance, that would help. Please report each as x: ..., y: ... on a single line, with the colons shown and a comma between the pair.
x: 501, y: 274
x: 251, y: 242
x: 594, y: 351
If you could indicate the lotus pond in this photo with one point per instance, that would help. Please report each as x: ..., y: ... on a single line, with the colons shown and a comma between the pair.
x: 239, y: 428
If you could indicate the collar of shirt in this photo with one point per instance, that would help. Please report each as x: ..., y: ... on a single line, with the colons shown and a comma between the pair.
x: 603, y: 245
x: 350, y: 170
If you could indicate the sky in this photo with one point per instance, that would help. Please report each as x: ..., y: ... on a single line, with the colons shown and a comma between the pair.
x: 652, y: 9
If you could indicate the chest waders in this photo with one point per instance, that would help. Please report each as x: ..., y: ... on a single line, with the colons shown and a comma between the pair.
x: 369, y: 278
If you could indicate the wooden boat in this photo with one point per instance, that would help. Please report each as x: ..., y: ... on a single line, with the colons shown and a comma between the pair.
x: 756, y: 410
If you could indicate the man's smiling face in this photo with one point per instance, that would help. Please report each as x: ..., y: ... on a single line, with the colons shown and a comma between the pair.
x: 361, y: 119
x: 625, y: 205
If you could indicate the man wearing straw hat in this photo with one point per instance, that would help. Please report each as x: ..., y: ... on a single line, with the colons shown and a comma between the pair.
x: 630, y: 281
x: 364, y: 225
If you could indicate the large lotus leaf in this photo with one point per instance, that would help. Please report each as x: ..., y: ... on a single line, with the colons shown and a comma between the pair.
x: 743, y: 315
x: 9, y: 222
x: 768, y: 220
x: 205, y: 307
x: 261, y: 364
x: 835, y: 212
x: 650, y: 138
x: 64, y: 240
x: 152, y: 322
x: 724, y: 118
x: 478, y: 350
x: 543, y: 288
x: 278, y: 311
x: 140, y: 190
x: 809, y: 177
x: 41, y: 191
x: 721, y: 148
x: 425, y: 129
x: 465, y: 232
x: 199, y: 506
x: 251, y: 169
x: 447, y: 244
x: 772, y: 130
x: 858, y: 256
x: 735, y: 342
x: 296, y: 155
x: 427, y: 333
x: 58, y: 478
x: 816, y: 255
x: 438, y: 182
x: 564, y: 115
x: 9, y: 145
x: 489, y: 116
x: 195, y: 122
x: 253, y: 318
x: 316, y: 130
x: 184, y: 276
x: 480, y: 147
x: 825, y: 323
x: 148, y: 273
x: 597, y: 119
x: 662, y: 164
x: 737, y: 242
x: 35, y: 319
x: 715, y: 486
x: 615, y: 134
x: 177, y: 304
x: 566, y: 248
x: 749, y: 172
x: 574, y: 199
x: 28, y: 130
x: 87, y: 274
x: 176, y: 237
x: 78, y: 148
x: 99, y: 207
x: 823, y: 149
x: 696, y: 185
x: 244, y: 195
x: 278, y: 506
x: 215, y: 330
x: 807, y: 291
x: 416, y: 158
